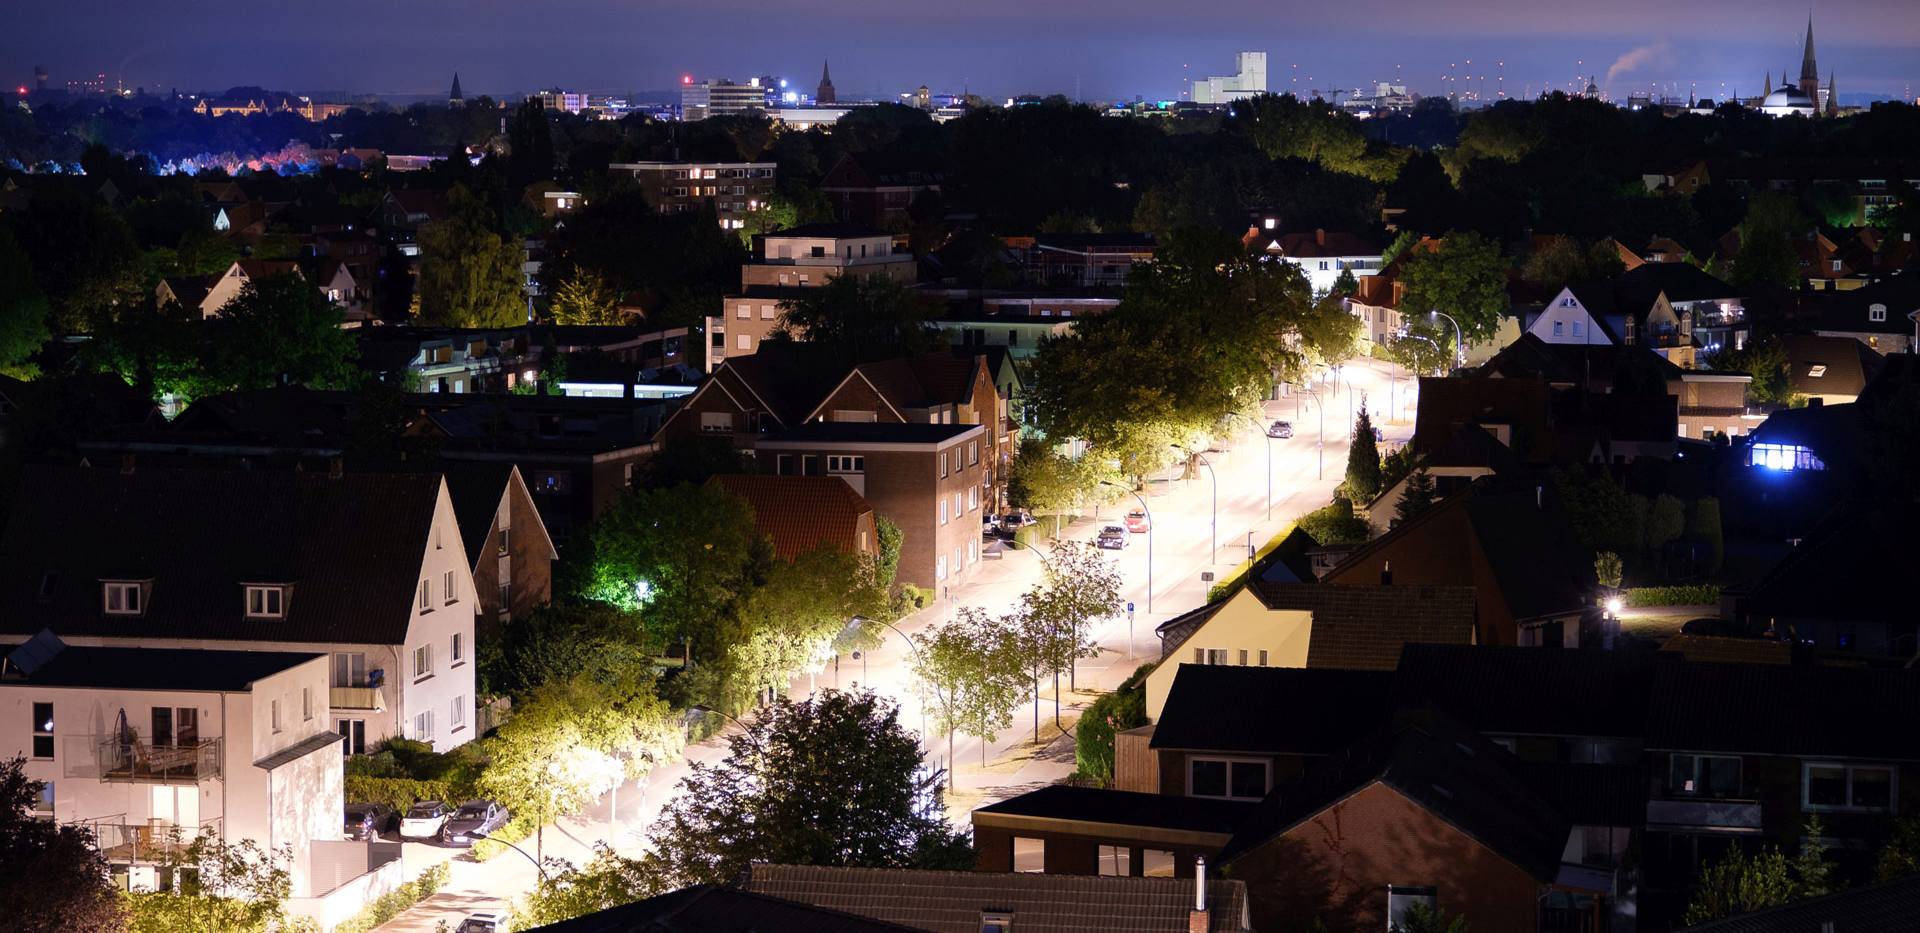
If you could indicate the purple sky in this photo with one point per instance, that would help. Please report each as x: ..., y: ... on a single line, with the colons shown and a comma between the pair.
x: 1112, y: 48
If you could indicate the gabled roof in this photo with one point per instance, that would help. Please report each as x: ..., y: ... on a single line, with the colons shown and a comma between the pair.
x: 711, y: 908
x: 1458, y: 776
x: 881, y: 169
x: 953, y: 901
x: 1529, y: 691
x: 868, y: 432
x: 197, y: 535
x: 1198, y: 712
x: 1679, y: 281
x: 1845, y: 364
x: 1574, y: 364
x: 477, y: 490
x: 800, y: 513
x: 1773, y: 709
x: 1889, y: 907
x: 1315, y: 244
x: 1364, y: 628
x: 185, y: 669
x: 924, y: 381
x: 1446, y: 404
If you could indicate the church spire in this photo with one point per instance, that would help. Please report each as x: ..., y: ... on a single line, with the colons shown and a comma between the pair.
x: 454, y: 99
x: 1833, y: 97
x: 1808, y: 71
x: 824, y: 94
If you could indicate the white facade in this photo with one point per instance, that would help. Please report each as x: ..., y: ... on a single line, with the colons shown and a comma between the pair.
x: 837, y: 252
x: 1323, y: 271
x: 1249, y: 78
x: 1565, y: 320
x: 262, y: 763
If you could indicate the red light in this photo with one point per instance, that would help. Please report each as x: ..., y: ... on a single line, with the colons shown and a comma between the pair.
x: 23, y: 90
x: 686, y: 79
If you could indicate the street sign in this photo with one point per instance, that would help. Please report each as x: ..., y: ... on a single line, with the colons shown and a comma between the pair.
x: 1129, y: 607
x: 1206, y: 576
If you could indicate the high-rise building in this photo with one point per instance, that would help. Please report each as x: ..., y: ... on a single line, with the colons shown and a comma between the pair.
x: 703, y: 99
x: 1248, y: 79
x: 825, y: 94
x: 39, y: 78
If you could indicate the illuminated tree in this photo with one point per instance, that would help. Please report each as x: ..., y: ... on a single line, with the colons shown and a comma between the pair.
x: 1465, y: 277
x: 970, y: 676
x: 585, y: 298
x: 469, y: 274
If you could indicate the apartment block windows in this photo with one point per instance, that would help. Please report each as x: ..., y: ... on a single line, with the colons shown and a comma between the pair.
x: 1227, y: 778
x: 1156, y: 863
x: 1029, y: 855
x: 973, y: 498
x: 349, y: 669
x: 1116, y: 861
x: 43, y: 730
x: 1859, y: 788
x: 266, y: 602
x: 423, y: 662
x: 845, y: 464
x: 456, y: 650
x: 943, y: 510
x: 1704, y: 775
x: 121, y: 599
x: 449, y: 587
x: 940, y: 567
x: 943, y: 465
x: 457, y: 718
x: 973, y: 453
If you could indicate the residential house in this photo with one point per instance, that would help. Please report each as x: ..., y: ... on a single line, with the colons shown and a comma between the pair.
x: 994, y: 902
x: 732, y: 190
x: 797, y: 258
x: 1711, y: 311
x: 209, y: 295
x: 1830, y: 592
x: 508, y: 549
x: 1884, y: 315
x: 1828, y: 370
x: 1591, y: 313
x: 798, y: 514
x: 337, y: 283
x: 704, y: 908
x: 1353, y: 627
x: 1081, y: 260
x: 1529, y: 587
x: 876, y: 190
x: 153, y: 747
x: 411, y: 209
x: 1321, y: 256
x: 1014, y: 321
x: 1707, y: 402
x: 1061, y: 829
x: 258, y: 561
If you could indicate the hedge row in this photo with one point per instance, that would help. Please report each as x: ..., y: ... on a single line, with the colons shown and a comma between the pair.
x: 390, y: 905
x: 1642, y: 597
x: 398, y: 793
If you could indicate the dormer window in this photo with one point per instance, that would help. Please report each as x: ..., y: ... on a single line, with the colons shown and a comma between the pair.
x: 266, y: 601
x: 123, y: 597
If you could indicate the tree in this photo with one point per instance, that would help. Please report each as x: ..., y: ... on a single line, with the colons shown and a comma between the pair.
x: 1666, y: 520
x: 830, y: 780
x: 1741, y: 883
x: 678, y: 556
x: 1334, y: 523
x: 1466, y: 277
x: 1331, y: 334
x: 469, y: 275
x: 52, y: 877
x: 1607, y: 569
x: 1285, y: 127
x: 1703, y: 525
x: 858, y: 319
x: 1598, y: 513
x: 1363, y: 458
x: 1049, y: 482
x: 1765, y: 358
x: 792, y: 617
x: 973, y: 677
x: 585, y: 298
x: 1416, y: 498
x: 279, y: 331
x: 1766, y: 258
x: 1560, y: 260
x: 1345, y: 283
x: 1900, y: 856
x: 1079, y: 587
x: 84, y: 257
x: 223, y: 886
x: 23, y: 309
x: 530, y: 144
x: 605, y: 882
x: 1423, y: 919
x: 1422, y: 347
x: 1125, y: 708
x: 566, y: 642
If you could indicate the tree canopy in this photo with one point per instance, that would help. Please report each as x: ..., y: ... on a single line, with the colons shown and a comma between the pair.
x: 1465, y: 276
x: 52, y: 878
x: 469, y: 273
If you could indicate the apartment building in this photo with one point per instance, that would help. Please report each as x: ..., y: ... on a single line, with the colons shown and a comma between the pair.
x: 732, y: 190
x: 798, y: 258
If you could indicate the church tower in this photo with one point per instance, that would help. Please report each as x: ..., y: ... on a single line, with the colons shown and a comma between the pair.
x: 1831, y: 106
x: 1809, y: 72
x: 824, y: 95
x: 453, y: 97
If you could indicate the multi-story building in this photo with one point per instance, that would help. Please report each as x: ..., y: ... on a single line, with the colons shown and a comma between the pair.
x: 702, y: 99
x: 152, y: 748
x: 1249, y: 79
x: 557, y: 99
x: 797, y: 258
x: 732, y: 190
x: 365, y: 569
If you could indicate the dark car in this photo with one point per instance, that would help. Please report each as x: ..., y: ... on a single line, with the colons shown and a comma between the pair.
x: 1280, y: 429
x: 474, y: 819
x: 369, y: 821
x: 1112, y: 537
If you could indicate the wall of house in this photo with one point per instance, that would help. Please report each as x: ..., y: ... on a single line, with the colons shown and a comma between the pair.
x: 1338, y: 864
x: 1417, y: 560
x: 449, y: 684
x: 1568, y: 318
x: 1077, y: 852
x: 528, y: 567
x: 1243, y: 624
x: 305, y: 804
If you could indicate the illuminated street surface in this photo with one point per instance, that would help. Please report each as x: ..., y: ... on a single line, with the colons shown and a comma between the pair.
x: 1181, y: 532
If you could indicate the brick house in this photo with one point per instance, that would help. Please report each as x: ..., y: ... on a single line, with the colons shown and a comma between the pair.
x: 787, y: 263
x: 507, y: 544
x: 876, y: 190
x: 798, y: 514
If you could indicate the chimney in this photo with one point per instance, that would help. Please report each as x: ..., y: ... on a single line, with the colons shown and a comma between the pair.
x: 1386, y: 573
x: 1197, y: 918
x: 1319, y: 236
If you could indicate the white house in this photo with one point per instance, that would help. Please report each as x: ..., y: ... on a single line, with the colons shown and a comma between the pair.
x: 210, y: 294
x: 1323, y: 256
x: 367, y: 569
x: 151, y: 747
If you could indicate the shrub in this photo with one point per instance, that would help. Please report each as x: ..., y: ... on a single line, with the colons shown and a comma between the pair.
x: 1125, y: 708
x: 1641, y: 597
x: 389, y: 905
x: 1025, y: 536
x: 913, y: 598
x: 516, y: 829
x: 398, y: 793
x: 1334, y: 523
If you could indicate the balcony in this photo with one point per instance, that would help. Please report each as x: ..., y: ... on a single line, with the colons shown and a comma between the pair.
x: 357, y: 698
x: 1735, y: 816
x: 133, y: 760
x: 120, y: 841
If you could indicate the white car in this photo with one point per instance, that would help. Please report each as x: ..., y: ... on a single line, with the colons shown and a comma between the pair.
x: 482, y: 922
x: 424, y: 820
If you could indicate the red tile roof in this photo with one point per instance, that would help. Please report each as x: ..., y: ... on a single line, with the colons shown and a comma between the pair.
x: 800, y: 513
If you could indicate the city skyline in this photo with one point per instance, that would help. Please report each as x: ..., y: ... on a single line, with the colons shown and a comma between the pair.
x: 1133, y: 49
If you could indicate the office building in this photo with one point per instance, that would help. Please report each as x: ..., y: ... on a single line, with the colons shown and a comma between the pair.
x: 1249, y: 79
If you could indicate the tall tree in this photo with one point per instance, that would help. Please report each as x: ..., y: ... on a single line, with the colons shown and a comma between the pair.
x: 530, y: 144
x: 469, y: 274
x: 1363, y: 459
x: 279, y: 331
x: 1417, y: 497
x: 23, y: 309
x: 681, y: 557
x: 1465, y: 277
x: 52, y: 878
x: 583, y: 297
x: 84, y: 257
x: 860, y: 318
x: 830, y: 780
x: 971, y: 676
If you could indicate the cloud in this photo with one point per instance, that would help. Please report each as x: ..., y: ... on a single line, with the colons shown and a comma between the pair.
x: 1634, y: 60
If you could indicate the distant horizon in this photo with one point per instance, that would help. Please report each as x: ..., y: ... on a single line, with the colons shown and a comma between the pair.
x: 1116, y: 51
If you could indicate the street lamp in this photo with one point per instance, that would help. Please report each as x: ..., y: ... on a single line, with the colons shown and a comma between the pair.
x: 1214, y: 482
x: 855, y: 624
x: 1150, y: 524
x: 1268, y: 434
x: 1459, y: 342
x: 536, y: 862
x: 1320, y: 439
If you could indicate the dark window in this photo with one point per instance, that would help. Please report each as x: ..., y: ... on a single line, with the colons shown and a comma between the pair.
x: 1209, y: 779
x: 162, y: 726
x: 1249, y: 779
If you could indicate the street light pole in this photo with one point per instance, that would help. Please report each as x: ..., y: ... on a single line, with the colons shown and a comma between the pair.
x: 1214, y: 481
x: 1459, y: 342
x: 1150, y: 527
x: 536, y: 862
x: 1320, y: 439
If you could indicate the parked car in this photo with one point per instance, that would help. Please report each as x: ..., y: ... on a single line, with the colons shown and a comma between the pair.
x: 1137, y: 521
x: 369, y: 821
x: 1015, y: 520
x: 1113, y: 537
x: 474, y: 819
x: 424, y: 820
x: 485, y: 921
x: 1280, y: 429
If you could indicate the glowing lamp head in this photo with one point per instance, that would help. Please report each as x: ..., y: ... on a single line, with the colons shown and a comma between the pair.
x: 1615, y: 604
x: 686, y: 79
x: 642, y: 591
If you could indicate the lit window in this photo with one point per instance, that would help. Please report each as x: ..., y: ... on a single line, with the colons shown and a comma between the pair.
x: 1029, y: 855
x: 1116, y: 860
x: 1783, y: 457
x: 121, y: 599
x: 1716, y: 776
x: 43, y: 730
x: 266, y: 602
x: 1816, y: 370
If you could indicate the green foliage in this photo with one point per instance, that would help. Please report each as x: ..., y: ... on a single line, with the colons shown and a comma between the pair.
x: 1767, y: 258
x: 1597, y: 512
x: 1285, y: 127
x: 1559, y: 261
x: 83, y: 256
x: 1345, y: 284
x: 1423, y: 919
x: 858, y: 319
x: 469, y: 274
x: 278, y: 331
x: 790, y: 620
x: 1050, y: 483
x: 1703, y: 524
x: 1765, y: 358
x: 1125, y: 708
x: 1741, y: 883
x: 890, y: 537
x: 678, y: 557
x: 1646, y: 597
x: 607, y: 881
x: 1900, y: 857
x: 236, y: 887
x: 1466, y: 277
x: 830, y: 780
x: 562, y: 642
x: 1607, y: 569
x: 1363, y: 459
x: 1330, y: 335
x: 396, y: 792
x: 584, y: 297
x: 970, y: 676
x: 678, y: 266
x: 1416, y: 498
x: 1334, y: 523
x: 391, y: 904
x: 499, y: 842
x: 52, y: 878
x: 23, y: 309
x: 1423, y: 346
x: 1025, y: 536
x: 1666, y: 520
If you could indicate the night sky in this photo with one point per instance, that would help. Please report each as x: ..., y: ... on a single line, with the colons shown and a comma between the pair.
x: 1111, y: 48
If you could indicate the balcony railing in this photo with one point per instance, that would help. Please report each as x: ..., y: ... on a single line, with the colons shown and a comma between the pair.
x: 1724, y: 815
x: 121, y: 841
x: 132, y: 759
x: 373, y: 698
